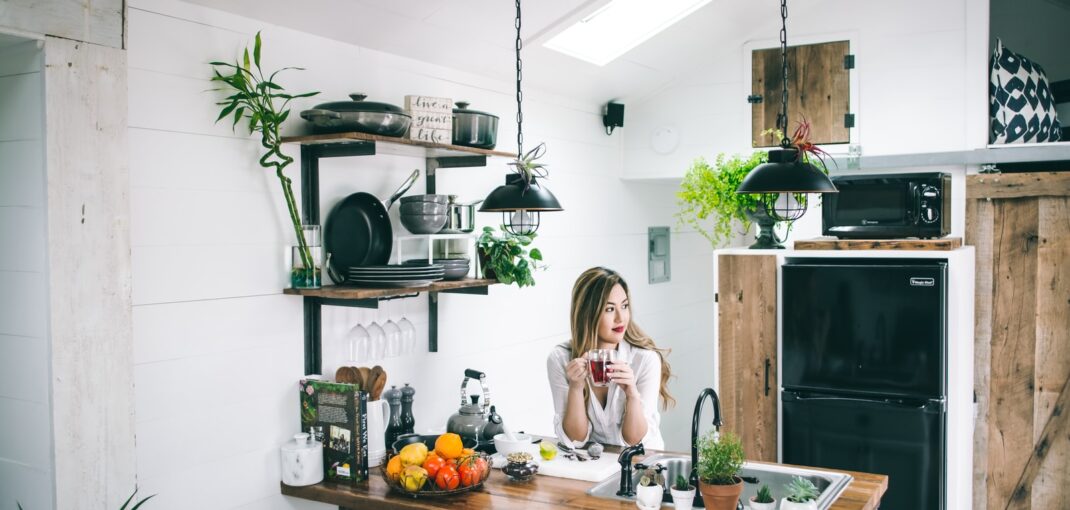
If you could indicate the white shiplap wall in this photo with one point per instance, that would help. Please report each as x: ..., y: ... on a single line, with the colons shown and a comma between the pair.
x: 217, y: 347
x: 26, y: 466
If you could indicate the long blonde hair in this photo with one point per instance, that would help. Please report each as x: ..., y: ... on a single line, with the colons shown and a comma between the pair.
x: 590, y: 295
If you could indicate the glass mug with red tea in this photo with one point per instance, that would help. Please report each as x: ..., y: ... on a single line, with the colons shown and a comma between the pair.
x: 598, y: 363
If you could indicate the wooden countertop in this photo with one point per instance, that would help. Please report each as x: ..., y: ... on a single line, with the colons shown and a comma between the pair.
x: 544, y: 492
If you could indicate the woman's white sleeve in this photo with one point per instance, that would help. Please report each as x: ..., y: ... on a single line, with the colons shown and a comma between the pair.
x: 648, y: 382
x: 555, y: 372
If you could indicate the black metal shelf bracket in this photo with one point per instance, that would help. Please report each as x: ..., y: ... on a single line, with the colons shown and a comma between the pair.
x: 310, y: 214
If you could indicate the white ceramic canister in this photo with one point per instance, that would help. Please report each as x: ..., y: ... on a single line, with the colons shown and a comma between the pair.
x: 302, y: 461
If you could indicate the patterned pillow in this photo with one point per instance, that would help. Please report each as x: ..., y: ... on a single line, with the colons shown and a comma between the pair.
x: 1020, y: 101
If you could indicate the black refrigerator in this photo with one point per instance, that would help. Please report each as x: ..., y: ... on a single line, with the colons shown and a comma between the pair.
x: 864, y: 364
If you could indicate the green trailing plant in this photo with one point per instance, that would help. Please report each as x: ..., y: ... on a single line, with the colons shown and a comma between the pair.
x: 801, y: 490
x: 651, y: 476
x: 719, y: 460
x: 258, y: 102
x: 764, y: 495
x: 708, y: 200
x: 506, y: 257
x: 682, y: 484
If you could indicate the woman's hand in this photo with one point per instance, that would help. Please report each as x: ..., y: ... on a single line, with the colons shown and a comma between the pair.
x: 576, y: 373
x: 621, y: 373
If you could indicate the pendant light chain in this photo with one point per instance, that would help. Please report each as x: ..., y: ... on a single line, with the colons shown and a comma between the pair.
x: 519, y: 93
x: 782, y: 121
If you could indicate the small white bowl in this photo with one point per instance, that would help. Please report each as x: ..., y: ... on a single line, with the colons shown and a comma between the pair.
x: 505, y: 446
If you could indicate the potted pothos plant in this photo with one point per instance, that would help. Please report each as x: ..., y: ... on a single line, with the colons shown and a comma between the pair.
x: 801, y: 495
x: 708, y: 200
x: 683, y: 493
x: 261, y: 105
x: 719, y: 461
x: 505, y: 256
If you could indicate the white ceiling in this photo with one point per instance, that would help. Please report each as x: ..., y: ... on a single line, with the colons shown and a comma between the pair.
x: 477, y: 36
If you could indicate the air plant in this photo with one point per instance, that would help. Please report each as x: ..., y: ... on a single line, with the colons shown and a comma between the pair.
x: 809, y: 151
x: 528, y: 168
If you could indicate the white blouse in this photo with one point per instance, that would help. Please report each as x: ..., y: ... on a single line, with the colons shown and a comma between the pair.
x: 604, y: 424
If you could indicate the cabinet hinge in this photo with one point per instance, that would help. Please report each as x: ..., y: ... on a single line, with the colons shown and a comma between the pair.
x: 715, y: 297
x: 848, y: 61
x: 754, y: 99
x: 848, y: 120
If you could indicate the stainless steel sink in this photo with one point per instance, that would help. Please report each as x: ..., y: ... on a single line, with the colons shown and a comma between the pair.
x: 754, y: 475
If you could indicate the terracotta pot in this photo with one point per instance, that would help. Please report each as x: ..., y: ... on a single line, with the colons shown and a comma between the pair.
x: 721, y: 497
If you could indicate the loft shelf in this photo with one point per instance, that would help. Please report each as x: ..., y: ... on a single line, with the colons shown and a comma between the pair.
x: 396, y: 146
x: 358, y: 293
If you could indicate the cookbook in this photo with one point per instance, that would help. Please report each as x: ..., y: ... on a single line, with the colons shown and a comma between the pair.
x: 336, y: 415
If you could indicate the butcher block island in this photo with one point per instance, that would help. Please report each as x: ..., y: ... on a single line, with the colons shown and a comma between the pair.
x: 542, y: 492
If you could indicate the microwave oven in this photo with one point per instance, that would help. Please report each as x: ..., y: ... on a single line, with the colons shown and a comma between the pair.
x: 888, y: 206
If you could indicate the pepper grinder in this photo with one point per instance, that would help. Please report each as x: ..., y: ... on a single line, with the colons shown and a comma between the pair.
x: 408, y: 421
x: 393, y: 427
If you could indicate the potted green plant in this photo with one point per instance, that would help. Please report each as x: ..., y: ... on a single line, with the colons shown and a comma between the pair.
x: 505, y: 256
x: 801, y: 494
x: 683, y: 493
x: 258, y: 102
x: 763, y: 500
x: 651, y: 488
x: 708, y: 200
x: 719, y: 461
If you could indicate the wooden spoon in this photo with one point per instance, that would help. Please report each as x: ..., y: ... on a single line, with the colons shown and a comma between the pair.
x: 364, y: 376
x: 375, y: 387
x: 342, y: 375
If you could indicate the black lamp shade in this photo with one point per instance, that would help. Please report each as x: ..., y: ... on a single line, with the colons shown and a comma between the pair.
x: 512, y: 196
x: 786, y: 172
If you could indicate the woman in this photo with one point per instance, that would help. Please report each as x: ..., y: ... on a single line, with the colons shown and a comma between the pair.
x: 625, y: 412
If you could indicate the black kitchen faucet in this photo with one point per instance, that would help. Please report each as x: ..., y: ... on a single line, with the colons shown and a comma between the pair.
x: 625, y: 460
x: 712, y: 395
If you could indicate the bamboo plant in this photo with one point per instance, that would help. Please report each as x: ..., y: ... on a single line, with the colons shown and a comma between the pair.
x: 264, y: 105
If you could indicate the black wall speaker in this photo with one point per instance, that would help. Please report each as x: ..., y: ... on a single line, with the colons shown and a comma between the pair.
x: 614, y: 117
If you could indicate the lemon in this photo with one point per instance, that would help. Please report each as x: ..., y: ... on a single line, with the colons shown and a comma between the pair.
x: 547, y: 450
x: 413, y: 455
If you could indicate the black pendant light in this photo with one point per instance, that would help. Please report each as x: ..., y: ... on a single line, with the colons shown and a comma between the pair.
x: 787, y: 177
x: 521, y: 199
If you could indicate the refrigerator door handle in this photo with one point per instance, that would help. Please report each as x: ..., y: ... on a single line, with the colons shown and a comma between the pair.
x: 898, y: 403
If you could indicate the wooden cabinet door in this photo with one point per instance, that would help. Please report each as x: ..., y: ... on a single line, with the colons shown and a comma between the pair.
x: 1019, y: 225
x: 746, y: 332
x: 819, y: 91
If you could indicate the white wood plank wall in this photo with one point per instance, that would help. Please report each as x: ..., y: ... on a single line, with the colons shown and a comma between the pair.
x: 218, y: 349
x: 26, y: 466
x: 89, y: 274
x: 97, y: 21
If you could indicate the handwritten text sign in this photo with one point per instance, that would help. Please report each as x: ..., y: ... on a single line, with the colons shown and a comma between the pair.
x: 444, y: 136
x: 442, y: 104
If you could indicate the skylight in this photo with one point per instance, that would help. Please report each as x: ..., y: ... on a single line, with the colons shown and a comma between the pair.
x: 620, y: 26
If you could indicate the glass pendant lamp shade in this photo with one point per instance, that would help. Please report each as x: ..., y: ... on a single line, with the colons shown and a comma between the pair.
x: 786, y: 172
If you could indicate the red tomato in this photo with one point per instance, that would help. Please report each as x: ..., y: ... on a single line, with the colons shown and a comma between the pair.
x: 433, y: 464
x: 471, y: 471
x: 447, y: 478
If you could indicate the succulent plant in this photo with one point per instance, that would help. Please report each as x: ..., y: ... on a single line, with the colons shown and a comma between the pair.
x: 652, y: 476
x: 801, y: 490
x: 682, y: 483
x: 764, y: 495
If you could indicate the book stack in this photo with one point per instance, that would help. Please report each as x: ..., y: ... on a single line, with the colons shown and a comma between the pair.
x: 336, y: 415
x: 432, y: 118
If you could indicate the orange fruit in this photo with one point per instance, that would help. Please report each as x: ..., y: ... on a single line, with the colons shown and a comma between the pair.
x: 393, y: 467
x: 449, y: 446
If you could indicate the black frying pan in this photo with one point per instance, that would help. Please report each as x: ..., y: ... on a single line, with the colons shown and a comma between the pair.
x: 358, y: 231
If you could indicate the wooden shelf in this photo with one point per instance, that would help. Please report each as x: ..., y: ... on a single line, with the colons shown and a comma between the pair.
x: 831, y: 243
x: 395, y: 145
x: 354, y: 293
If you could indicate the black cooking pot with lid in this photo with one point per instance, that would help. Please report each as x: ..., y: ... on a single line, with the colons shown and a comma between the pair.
x: 358, y: 115
x: 473, y: 128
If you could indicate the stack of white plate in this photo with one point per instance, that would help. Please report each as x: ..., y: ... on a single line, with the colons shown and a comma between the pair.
x: 408, y: 275
x: 456, y: 269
